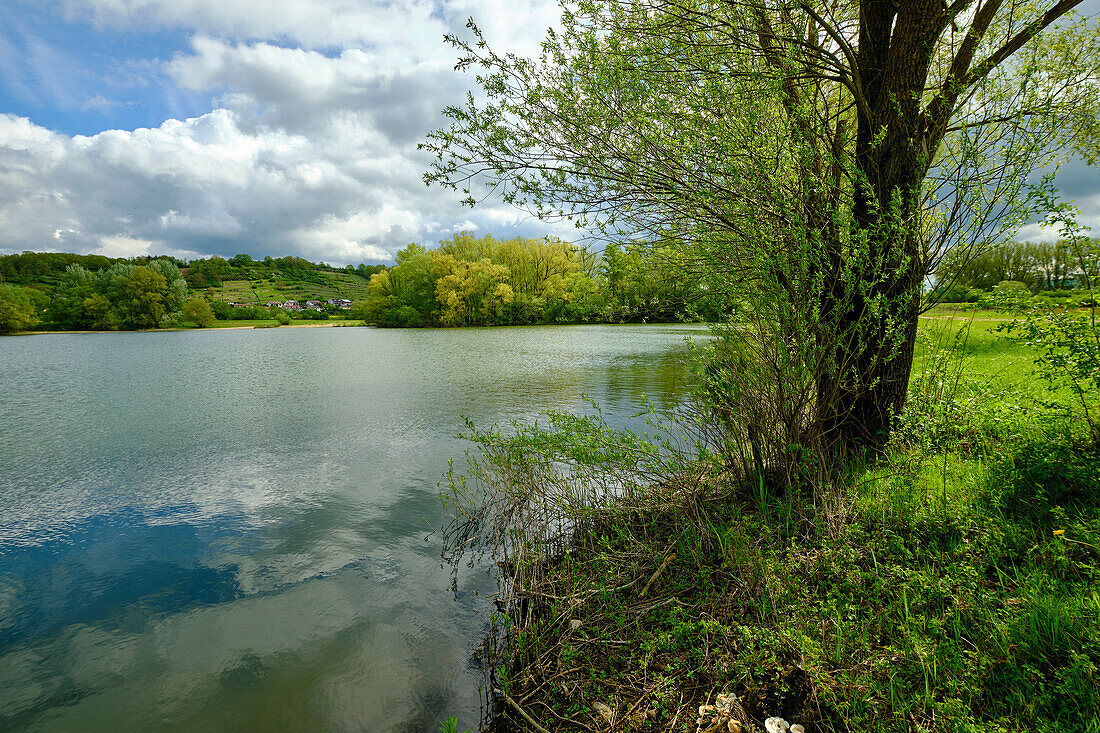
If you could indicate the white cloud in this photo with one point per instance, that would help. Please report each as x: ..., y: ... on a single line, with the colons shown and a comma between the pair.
x: 124, y: 247
x: 408, y: 31
x: 310, y: 148
x: 212, y: 185
x: 1089, y: 218
x: 308, y: 92
x: 98, y: 102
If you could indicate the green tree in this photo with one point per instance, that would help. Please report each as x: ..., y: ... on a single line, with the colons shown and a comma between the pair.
x: 1037, y: 265
x: 472, y: 293
x: 124, y: 295
x: 19, y: 308
x: 221, y: 310
x: 143, y: 298
x: 197, y: 310
x: 412, y: 281
x: 1054, y: 265
x: 97, y: 313
x: 820, y: 156
x: 67, y: 309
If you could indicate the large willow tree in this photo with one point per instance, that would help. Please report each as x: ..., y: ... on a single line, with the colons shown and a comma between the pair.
x: 821, y: 156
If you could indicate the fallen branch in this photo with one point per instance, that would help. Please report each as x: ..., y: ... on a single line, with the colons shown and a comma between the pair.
x: 657, y: 574
x: 521, y: 711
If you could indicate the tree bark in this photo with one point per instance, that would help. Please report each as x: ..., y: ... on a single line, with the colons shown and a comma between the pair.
x: 871, y: 310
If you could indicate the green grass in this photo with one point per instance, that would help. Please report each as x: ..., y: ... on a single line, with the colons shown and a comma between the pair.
x: 988, y: 352
x: 954, y: 586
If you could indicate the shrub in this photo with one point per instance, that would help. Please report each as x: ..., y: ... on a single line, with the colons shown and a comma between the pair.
x: 1044, y: 481
x: 198, y: 311
x: 957, y: 293
x: 404, y: 317
x: 1068, y: 346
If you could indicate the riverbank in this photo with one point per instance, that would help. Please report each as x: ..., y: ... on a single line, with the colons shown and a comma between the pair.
x: 951, y: 586
x: 249, y: 325
x: 228, y: 326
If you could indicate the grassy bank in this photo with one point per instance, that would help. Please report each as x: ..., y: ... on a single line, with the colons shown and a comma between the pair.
x: 954, y: 586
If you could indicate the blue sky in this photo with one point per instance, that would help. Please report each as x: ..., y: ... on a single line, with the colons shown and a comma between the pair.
x: 75, y: 78
x: 272, y: 127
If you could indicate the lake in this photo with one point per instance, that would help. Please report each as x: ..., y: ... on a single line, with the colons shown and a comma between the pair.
x: 233, y: 530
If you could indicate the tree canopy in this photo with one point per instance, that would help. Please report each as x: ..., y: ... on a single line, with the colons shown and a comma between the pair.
x: 122, y: 296
x: 819, y: 157
x: 19, y: 307
x: 470, y: 281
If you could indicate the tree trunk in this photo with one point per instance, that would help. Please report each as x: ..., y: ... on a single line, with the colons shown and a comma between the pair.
x: 864, y: 386
x: 873, y: 307
x: 869, y: 311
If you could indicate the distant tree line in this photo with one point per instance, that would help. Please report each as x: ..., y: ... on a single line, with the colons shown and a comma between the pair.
x: 95, y: 292
x: 468, y: 281
x: 213, y: 271
x: 89, y: 292
x: 124, y: 295
x: 1038, y: 266
x: 44, y: 270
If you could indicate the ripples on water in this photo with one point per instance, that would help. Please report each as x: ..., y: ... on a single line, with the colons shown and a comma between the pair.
x: 227, y: 530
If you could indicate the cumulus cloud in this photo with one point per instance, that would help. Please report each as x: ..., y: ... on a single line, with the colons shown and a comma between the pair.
x: 1076, y: 182
x: 209, y: 185
x: 309, y: 147
x: 308, y: 92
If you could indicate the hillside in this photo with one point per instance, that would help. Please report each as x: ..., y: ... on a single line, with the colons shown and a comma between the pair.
x: 240, y: 279
x: 329, y: 284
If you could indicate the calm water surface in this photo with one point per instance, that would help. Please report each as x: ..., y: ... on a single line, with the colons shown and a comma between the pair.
x: 231, y: 530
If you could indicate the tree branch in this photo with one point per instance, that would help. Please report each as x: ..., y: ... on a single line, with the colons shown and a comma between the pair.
x: 1019, y: 40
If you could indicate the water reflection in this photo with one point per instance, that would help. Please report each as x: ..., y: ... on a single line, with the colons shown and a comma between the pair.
x: 226, y: 531
x: 106, y: 568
